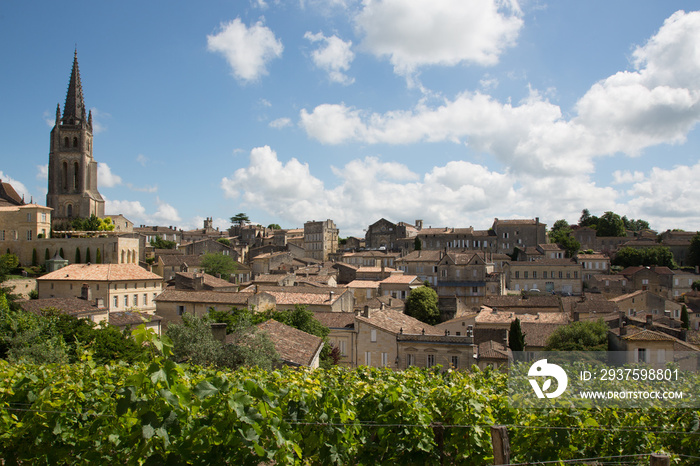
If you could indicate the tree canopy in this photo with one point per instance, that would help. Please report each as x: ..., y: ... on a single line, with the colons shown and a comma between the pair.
x: 694, y: 250
x: 160, y: 243
x: 561, y: 235
x: 422, y: 304
x: 633, y: 257
x: 579, y: 336
x: 610, y: 224
x: 92, y: 223
x: 240, y: 218
x: 274, y: 226
x: 218, y: 264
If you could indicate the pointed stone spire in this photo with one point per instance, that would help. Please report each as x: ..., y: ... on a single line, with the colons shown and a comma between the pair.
x: 75, y: 105
x: 90, y: 120
x: 58, y: 113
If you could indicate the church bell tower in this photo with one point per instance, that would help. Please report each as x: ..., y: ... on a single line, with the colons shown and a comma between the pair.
x: 72, y: 170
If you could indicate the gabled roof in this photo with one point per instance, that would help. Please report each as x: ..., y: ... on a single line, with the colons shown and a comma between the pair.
x: 294, y: 346
x: 464, y: 258
x: 400, y: 279
x: 363, y: 284
x: 124, y: 318
x: 397, y: 322
x: 336, y: 319
x: 206, y: 297
x: 174, y: 260
x: 70, y: 306
x: 421, y: 256
x: 9, y: 195
x: 536, y: 334
x: 100, y: 272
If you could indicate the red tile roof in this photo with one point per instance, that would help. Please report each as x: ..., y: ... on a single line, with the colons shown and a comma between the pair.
x: 100, y: 272
x: 293, y: 346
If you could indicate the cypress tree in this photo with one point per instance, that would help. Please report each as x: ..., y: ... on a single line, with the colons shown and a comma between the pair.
x: 98, y: 256
x: 77, y: 255
x: 685, y: 318
x: 34, y: 258
x: 516, y: 339
x: 47, y: 256
x: 63, y: 256
x: 88, y: 256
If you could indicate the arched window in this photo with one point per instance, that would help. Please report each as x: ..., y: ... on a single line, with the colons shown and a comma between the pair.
x: 69, y: 210
x: 64, y: 176
x: 75, y: 142
x: 76, y: 171
x: 65, y: 141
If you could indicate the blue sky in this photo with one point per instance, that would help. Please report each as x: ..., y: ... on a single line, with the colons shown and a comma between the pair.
x: 452, y: 111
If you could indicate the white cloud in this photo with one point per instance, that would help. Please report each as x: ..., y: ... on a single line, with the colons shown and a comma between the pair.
x: 98, y: 117
x: 626, y: 113
x: 626, y: 176
x: 142, y: 189
x: 133, y: 210
x: 19, y: 186
x: 142, y: 160
x: 247, y: 50
x: 105, y: 176
x: 425, y: 32
x: 166, y: 213
x: 334, y: 56
x: 280, y: 123
x: 42, y: 172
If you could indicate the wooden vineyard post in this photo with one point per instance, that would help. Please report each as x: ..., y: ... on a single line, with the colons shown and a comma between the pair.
x: 501, y: 445
x: 658, y: 459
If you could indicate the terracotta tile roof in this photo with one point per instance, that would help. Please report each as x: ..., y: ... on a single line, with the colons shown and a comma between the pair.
x: 517, y: 221
x: 487, y: 316
x: 446, y: 230
x: 363, y: 284
x: 206, y: 297
x: 594, y: 256
x: 305, y: 295
x: 508, y: 301
x: 400, y: 279
x: 276, y: 278
x: 294, y: 346
x: 336, y: 319
x: 550, y: 247
x: 209, y: 280
x: 536, y: 334
x: 545, y: 262
x: 494, y: 350
x: 174, y: 260
x: 624, y: 297
x: 375, y: 269
x: 124, y: 318
x: 70, y: 306
x: 421, y: 256
x: 100, y: 272
x: 394, y: 321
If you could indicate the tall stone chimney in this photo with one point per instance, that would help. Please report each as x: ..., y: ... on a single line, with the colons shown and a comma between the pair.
x: 86, y: 292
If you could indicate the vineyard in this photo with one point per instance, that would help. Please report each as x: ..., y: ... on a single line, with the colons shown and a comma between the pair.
x: 160, y: 412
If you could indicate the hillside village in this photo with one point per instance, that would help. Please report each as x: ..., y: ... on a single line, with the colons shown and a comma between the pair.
x: 127, y: 275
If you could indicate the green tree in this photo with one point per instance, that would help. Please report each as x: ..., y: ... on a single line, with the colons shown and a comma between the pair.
x: 587, y: 220
x: 47, y: 256
x: 417, y: 244
x: 215, y: 264
x: 77, y: 255
x: 240, y: 218
x: 635, y: 225
x: 88, y: 256
x: 224, y: 241
x: 35, y: 259
x: 92, y: 223
x: 694, y: 250
x: 561, y: 235
x: 610, y: 224
x: 633, y: 257
x: 160, y: 243
x: 8, y: 263
x: 98, y: 256
x: 422, y: 304
x: 274, y: 226
x: 696, y: 285
x: 685, y: 318
x: 579, y: 336
x: 516, y: 338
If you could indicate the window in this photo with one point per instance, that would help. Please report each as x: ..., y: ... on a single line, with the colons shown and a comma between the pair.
x: 642, y: 355
x: 525, y: 274
x: 561, y: 274
x: 661, y: 355
x: 385, y: 359
x: 29, y: 235
x: 341, y: 345
x: 534, y: 274
x: 517, y: 274
x: 116, y: 301
x: 126, y: 300
x: 430, y: 360
x: 136, y: 300
x: 2, y: 235
x: 145, y: 299
x: 368, y: 358
x: 29, y: 217
x: 180, y: 310
x: 454, y: 360
x: 575, y: 274
x: 373, y: 335
x: 410, y: 360
x: 444, y: 273
x: 544, y: 274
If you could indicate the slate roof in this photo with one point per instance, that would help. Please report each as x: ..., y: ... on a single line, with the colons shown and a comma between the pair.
x: 100, y: 272
x: 294, y: 346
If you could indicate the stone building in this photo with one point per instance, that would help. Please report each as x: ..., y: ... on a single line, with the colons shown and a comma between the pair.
x: 548, y: 275
x: 519, y: 234
x: 320, y: 239
x: 385, y: 235
x: 72, y: 188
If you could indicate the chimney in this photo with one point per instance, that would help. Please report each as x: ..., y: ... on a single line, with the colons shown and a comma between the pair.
x: 330, y: 296
x: 198, y: 281
x: 86, y: 292
x: 218, y: 331
x: 649, y: 317
x: 367, y: 312
x: 100, y: 303
x: 623, y: 331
